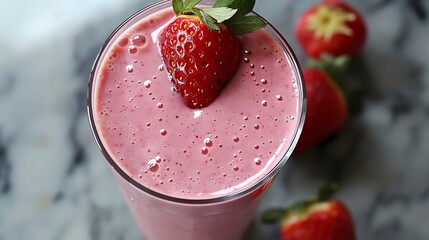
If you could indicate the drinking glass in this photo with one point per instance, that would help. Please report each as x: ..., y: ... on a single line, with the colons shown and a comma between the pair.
x: 162, y: 217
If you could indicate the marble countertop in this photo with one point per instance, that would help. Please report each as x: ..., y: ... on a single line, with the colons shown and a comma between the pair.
x: 55, y: 184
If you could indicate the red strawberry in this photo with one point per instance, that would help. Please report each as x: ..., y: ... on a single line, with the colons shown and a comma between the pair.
x: 332, y: 27
x: 318, y: 218
x: 200, y: 48
x: 199, y: 60
x: 326, y: 109
x: 321, y: 221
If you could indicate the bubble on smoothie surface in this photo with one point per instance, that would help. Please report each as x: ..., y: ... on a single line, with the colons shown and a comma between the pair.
x: 208, y: 142
x: 153, y: 165
x: 129, y: 68
x: 147, y: 83
x: 138, y: 40
x: 123, y: 42
x: 132, y: 49
x: 296, y: 91
x: 163, y: 132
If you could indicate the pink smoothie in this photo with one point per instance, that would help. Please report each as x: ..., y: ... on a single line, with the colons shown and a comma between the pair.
x: 194, y: 153
x: 193, y: 174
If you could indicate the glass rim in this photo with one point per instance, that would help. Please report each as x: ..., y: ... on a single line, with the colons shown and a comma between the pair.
x: 302, y: 103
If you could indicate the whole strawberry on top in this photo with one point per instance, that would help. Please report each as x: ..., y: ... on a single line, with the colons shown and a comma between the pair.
x: 331, y: 27
x: 318, y: 218
x: 200, y: 47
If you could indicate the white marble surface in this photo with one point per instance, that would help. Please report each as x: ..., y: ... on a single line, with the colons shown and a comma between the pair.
x: 55, y: 184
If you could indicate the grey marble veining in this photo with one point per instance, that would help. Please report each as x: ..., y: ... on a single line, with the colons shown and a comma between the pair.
x: 55, y: 184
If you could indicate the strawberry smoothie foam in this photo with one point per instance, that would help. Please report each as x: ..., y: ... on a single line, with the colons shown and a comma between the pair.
x: 144, y: 126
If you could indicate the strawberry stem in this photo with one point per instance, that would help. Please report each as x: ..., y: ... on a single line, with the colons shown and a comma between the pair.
x: 326, y: 191
x: 187, y: 12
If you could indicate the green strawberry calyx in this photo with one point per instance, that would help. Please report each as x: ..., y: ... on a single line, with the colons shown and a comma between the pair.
x: 232, y: 13
x: 348, y: 73
x: 273, y: 215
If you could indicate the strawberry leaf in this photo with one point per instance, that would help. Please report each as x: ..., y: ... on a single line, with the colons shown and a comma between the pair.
x: 245, y: 24
x: 205, y: 18
x: 223, y: 3
x: 189, y: 4
x: 230, y: 12
x: 273, y: 215
x: 220, y: 13
x: 178, y: 6
x: 243, y: 6
x: 336, y: 67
